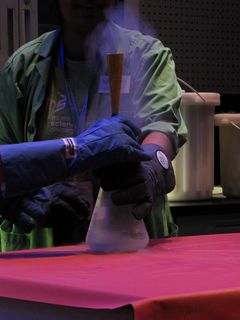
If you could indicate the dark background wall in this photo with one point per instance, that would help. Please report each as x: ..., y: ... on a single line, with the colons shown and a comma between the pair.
x: 204, y: 37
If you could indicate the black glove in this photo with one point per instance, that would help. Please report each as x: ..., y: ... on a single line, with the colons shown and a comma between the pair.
x: 26, y: 211
x: 139, y: 184
x: 68, y: 214
x: 59, y: 206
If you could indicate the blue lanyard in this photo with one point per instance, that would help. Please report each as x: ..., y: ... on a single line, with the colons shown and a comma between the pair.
x: 78, y: 117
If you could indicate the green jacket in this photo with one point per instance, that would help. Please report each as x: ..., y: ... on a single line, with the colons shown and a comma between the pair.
x: 152, y: 102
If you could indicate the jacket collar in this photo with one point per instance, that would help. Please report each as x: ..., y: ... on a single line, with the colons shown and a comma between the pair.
x: 48, y: 44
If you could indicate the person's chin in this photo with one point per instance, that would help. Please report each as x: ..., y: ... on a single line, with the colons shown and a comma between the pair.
x: 89, y: 10
x: 89, y: 22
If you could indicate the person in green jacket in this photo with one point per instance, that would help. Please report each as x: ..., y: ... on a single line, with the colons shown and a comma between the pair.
x: 56, y: 86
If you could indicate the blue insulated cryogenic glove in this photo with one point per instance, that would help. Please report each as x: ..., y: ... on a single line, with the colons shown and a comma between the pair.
x: 139, y: 184
x: 32, y: 165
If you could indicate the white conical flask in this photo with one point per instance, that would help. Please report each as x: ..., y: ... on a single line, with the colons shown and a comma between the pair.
x: 114, y: 228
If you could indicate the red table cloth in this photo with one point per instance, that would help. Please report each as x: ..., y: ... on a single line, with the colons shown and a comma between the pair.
x: 195, y: 277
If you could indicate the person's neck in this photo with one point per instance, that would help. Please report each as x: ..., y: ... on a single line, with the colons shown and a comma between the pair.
x: 75, y: 45
x: 82, y: 44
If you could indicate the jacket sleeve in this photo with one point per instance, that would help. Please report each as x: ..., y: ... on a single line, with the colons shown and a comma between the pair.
x: 11, y: 102
x: 156, y: 94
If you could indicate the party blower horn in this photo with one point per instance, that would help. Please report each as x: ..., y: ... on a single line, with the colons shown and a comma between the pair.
x: 114, y: 228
